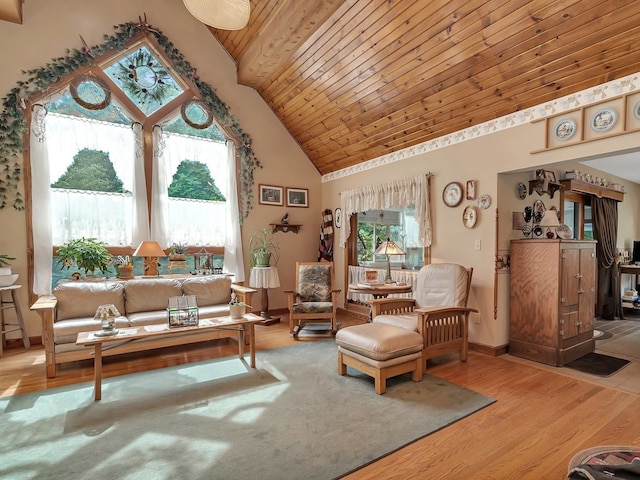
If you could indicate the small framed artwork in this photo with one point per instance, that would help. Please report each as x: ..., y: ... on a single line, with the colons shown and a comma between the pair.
x: 297, y: 197
x: 550, y: 175
x: 271, y: 195
x: 471, y: 189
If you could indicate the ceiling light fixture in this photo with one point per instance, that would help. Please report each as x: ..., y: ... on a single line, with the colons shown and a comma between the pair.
x: 222, y: 14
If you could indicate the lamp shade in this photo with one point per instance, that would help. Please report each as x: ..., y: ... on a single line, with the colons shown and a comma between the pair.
x: 389, y: 248
x: 149, y: 249
x: 222, y: 14
x: 550, y: 219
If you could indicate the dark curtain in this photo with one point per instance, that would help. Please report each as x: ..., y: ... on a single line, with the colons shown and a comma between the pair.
x: 605, y: 231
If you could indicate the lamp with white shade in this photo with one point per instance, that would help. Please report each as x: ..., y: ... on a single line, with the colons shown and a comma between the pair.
x: 389, y: 248
x: 221, y: 14
x: 150, y: 251
x: 550, y: 222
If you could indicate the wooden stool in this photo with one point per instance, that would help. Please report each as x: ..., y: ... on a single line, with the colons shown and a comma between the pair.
x: 10, y: 327
x: 380, y: 351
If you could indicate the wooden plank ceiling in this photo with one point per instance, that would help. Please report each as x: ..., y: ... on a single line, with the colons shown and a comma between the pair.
x: 356, y: 79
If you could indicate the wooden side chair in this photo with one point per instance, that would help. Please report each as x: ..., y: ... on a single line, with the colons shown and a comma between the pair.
x: 314, y: 299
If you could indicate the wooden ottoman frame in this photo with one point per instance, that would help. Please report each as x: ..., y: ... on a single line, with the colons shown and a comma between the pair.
x: 380, y: 351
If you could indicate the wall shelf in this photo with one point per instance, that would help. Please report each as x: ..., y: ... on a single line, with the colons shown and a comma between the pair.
x: 284, y: 227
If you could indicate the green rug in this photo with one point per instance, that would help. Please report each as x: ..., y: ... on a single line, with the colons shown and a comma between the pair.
x: 292, y: 418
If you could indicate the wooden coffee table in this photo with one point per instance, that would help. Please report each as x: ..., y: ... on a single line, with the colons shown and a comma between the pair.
x: 243, y: 325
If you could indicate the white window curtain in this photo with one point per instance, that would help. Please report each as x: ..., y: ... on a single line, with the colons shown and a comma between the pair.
x: 40, y: 204
x: 394, y: 194
x: 191, y: 221
x: 233, y: 255
x: 116, y: 219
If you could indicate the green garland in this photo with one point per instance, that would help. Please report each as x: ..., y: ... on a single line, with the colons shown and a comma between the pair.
x: 13, y: 124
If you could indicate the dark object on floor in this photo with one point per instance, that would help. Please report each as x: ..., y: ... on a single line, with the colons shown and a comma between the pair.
x: 607, y: 461
x: 598, y: 364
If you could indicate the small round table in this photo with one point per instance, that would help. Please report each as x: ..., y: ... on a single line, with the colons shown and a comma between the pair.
x: 379, y: 291
x: 265, y: 278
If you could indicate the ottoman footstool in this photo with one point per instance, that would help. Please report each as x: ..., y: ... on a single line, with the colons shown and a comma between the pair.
x: 380, y: 351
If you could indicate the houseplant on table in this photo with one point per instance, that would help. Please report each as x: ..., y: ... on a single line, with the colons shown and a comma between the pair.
x: 237, y: 309
x: 88, y: 254
x: 263, y: 246
x: 5, y: 266
x: 7, y: 278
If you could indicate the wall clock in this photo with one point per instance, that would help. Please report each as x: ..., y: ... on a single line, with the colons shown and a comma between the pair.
x: 452, y: 194
x: 337, y: 218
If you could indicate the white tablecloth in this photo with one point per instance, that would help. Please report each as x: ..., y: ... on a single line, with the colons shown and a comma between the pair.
x: 264, y: 277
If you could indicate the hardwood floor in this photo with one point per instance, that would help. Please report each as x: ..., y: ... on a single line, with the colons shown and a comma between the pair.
x: 540, y: 420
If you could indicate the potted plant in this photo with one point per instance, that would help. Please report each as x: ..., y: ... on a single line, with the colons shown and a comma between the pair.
x: 124, y: 267
x: 263, y: 246
x: 88, y: 254
x: 177, y: 251
x: 5, y: 266
x: 237, y: 309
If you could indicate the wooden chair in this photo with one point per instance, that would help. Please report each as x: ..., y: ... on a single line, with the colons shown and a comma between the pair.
x: 438, y: 312
x: 314, y: 299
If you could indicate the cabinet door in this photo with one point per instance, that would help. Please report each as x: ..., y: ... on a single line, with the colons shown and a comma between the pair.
x: 587, y: 288
x: 569, y: 292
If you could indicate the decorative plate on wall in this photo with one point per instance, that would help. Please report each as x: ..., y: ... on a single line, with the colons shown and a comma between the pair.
x: 603, y: 120
x: 469, y: 216
x: 337, y: 217
x: 452, y: 194
x: 564, y: 129
x: 484, y: 201
x: 636, y: 110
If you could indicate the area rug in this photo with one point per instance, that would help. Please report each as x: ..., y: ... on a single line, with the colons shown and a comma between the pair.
x: 293, y: 417
x: 598, y: 364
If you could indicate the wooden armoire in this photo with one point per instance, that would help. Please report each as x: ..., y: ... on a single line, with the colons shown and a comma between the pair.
x: 552, y: 299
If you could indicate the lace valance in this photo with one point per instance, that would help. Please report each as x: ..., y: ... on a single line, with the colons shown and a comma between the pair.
x: 394, y: 194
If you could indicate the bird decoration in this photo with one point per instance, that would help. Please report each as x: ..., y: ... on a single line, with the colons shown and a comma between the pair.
x: 285, y: 219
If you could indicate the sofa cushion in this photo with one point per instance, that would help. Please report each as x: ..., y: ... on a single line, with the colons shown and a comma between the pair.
x: 144, y: 295
x: 209, y: 290
x: 81, y: 299
x: 153, y: 317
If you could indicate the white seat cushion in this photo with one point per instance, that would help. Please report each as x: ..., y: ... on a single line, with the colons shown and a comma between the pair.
x: 379, y: 341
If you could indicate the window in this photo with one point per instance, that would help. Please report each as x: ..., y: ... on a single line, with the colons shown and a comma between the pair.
x: 576, y: 214
x: 127, y: 152
x: 375, y: 226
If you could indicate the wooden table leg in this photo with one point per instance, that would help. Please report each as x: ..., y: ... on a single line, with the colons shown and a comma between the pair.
x: 252, y: 344
x: 97, y: 370
x: 241, y: 340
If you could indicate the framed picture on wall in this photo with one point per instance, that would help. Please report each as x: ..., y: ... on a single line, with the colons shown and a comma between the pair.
x: 297, y: 197
x: 471, y: 189
x: 270, y: 195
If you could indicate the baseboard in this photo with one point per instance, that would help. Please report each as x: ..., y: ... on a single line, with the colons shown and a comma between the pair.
x: 487, y: 350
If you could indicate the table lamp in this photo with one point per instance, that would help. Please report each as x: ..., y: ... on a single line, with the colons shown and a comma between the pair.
x: 107, y: 315
x: 150, y: 251
x: 389, y: 248
x: 550, y: 222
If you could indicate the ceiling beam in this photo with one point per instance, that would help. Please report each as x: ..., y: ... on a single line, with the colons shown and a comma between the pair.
x: 11, y: 11
x: 289, y: 25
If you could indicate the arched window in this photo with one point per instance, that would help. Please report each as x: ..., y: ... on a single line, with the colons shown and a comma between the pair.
x: 125, y: 151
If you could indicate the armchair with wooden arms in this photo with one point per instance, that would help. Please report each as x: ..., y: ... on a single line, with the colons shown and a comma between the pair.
x: 438, y: 312
x: 314, y: 300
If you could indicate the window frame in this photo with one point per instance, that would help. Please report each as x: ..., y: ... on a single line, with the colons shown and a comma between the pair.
x: 148, y: 123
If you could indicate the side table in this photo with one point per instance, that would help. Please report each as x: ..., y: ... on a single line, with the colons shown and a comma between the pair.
x: 379, y: 291
x: 265, y: 278
x: 11, y: 327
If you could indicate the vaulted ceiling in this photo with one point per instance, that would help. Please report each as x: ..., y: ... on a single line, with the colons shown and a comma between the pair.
x: 356, y: 79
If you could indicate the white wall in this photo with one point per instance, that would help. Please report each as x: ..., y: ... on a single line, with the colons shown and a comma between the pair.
x: 52, y: 26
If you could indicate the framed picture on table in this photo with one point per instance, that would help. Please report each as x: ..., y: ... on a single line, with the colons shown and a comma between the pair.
x: 297, y: 197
